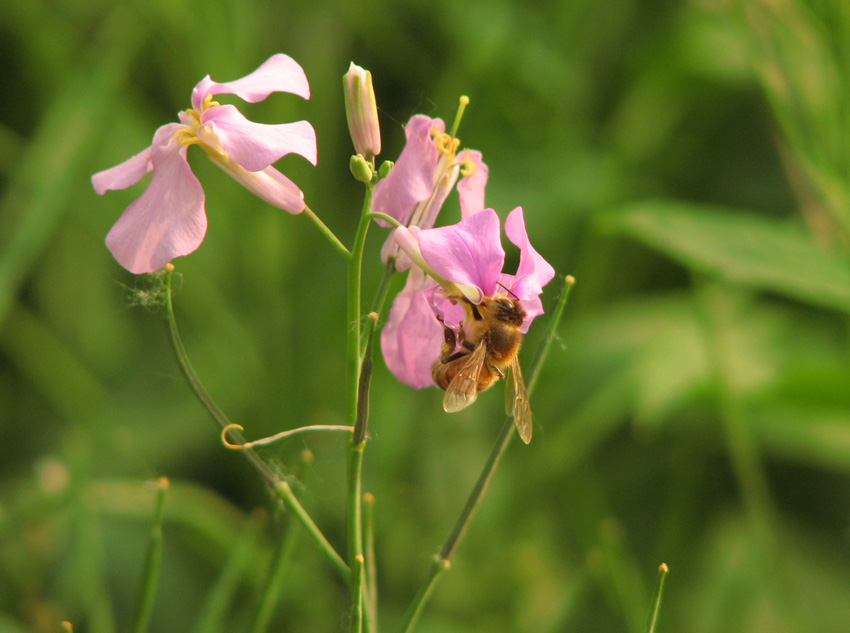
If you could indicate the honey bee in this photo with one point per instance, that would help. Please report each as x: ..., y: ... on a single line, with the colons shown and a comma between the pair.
x: 489, y: 342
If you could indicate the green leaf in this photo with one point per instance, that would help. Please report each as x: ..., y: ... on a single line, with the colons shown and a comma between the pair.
x: 741, y: 248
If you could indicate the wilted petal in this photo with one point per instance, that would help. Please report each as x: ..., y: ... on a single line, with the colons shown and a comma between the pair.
x: 279, y: 73
x: 412, y: 179
x: 470, y: 189
x: 412, y: 336
x: 468, y: 253
x: 255, y: 146
x: 167, y: 220
x: 533, y: 272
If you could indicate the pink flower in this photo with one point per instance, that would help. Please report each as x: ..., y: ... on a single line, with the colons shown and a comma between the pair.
x: 462, y: 260
x: 422, y: 178
x: 168, y: 219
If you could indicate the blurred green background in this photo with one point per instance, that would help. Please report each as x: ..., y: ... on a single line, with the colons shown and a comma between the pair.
x: 688, y: 162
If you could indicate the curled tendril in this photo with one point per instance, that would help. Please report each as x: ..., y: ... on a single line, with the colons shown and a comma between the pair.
x: 278, y: 436
x: 231, y: 445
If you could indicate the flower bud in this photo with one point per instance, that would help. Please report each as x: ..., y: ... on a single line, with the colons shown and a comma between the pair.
x: 361, y: 169
x: 385, y: 168
x: 361, y: 110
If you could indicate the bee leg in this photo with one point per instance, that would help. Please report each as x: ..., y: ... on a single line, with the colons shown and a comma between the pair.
x: 447, y: 351
x: 494, y: 369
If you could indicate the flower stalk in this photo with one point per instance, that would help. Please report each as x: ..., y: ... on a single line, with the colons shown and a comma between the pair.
x: 153, y: 563
x: 442, y: 560
x: 281, y: 488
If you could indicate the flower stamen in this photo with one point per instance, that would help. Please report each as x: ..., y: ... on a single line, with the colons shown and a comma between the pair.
x: 467, y: 165
x: 209, y: 102
x: 185, y: 136
x: 464, y: 101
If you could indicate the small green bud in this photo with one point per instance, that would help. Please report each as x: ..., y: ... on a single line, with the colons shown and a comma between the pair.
x: 385, y: 168
x: 361, y: 169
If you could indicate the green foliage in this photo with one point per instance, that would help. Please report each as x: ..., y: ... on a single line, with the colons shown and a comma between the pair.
x: 688, y: 163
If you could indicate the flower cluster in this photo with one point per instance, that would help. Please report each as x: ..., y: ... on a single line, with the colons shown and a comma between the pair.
x: 460, y: 260
x: 168, y: 220
x: 451, y: 267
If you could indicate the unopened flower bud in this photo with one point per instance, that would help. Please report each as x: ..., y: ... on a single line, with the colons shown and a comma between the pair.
x: 361, y: 110
x: 385, y: 168
x: 361, y: 169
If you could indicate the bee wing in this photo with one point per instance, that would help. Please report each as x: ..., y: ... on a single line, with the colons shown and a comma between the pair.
x: 463, y: 389
x: 516, y: 403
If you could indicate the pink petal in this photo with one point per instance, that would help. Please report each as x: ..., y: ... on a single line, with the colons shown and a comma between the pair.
x: 269, y: 184
x: 167, y: 221
x: 412, y: 336
x: 470, y: 189
x: 133, y: 169
x: 533, y: 272
x: 255, y: 146
x: 279, y: 73
x: 468, y: 253
x: 412, y: 179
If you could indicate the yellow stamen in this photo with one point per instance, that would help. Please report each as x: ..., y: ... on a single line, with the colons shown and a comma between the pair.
x: 194, y: 114
x: 467, y: 166
x: 185, y: 136
x: 209, y: 103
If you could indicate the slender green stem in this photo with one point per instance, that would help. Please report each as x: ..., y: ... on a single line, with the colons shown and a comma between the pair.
x: 370, y: 569
x: 438, y: 566
x: 357, y: 564
x: 324, y: 230
x: 442, y: 561
x: 153, y: 562
x: 285, y: 494
x: 280, y: 488
x: 551, y: 333
x: 354, y: 413
x: 377, y: 215
x: 383, y: 288
x: 211, y: 614
x: 274, y: 580
x: 655, y: 605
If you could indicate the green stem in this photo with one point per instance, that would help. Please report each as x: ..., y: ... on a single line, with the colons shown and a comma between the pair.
x: 655, y: 605
x: 551, y: 333
x: 274, y: 580
x: 383, y: 288
x: 357, y: 564
x: 153, y: 562
x: 370, y: 569
x: 358, y: 439
x: 281, y: 488
x: 377, y: 215
x: 285, y: 494
x: 324, y: 230
x: 442, y: 560
x: 211, y: 614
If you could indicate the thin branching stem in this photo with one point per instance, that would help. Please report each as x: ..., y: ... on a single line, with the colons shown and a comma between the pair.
x: 153, y: 563
x: 655, y: 605
x: 442, y: 561
x: 280, y: 488
x: 355, y: 415
x: 324, y: 230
